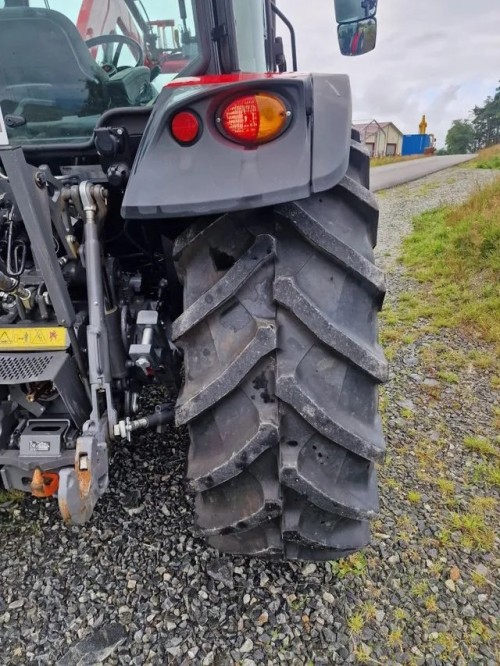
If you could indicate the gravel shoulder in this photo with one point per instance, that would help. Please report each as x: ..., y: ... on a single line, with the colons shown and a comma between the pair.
x: 427, y: 592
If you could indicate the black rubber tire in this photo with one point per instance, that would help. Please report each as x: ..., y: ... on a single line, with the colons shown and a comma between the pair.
x: 282, y: 369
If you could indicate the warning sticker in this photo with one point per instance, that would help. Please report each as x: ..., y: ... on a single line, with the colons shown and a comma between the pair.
x: 33, y: 339
x: 4, y: 139
x: 39, y: 447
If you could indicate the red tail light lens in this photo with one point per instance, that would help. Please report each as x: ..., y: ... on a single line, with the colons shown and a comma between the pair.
x: 254, y: 119
x: 185, y: 127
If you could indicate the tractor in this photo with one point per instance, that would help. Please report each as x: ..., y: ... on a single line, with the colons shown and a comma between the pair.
x: 183, y: 213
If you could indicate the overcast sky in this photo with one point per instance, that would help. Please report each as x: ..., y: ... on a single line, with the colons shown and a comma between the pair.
x: 438, y: 57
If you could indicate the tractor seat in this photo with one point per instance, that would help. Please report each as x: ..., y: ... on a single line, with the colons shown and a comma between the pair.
x: 47, y: 71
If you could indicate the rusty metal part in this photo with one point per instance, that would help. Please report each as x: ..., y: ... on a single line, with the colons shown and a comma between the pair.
x: 81, y: 486
x: 44, y: 484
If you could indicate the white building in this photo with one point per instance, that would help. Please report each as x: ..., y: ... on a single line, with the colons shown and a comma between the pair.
x: 382, y: 139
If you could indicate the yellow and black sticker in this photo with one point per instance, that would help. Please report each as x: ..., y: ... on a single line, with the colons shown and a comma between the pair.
x: 34, y: 339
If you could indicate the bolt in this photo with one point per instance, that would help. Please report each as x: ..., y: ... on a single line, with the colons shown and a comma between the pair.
x: 143, y: 364
x: 40, y: 180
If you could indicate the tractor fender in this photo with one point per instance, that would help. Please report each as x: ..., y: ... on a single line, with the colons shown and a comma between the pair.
x: 215, y: 175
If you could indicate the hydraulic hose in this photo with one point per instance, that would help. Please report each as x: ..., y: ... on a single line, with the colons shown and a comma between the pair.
x: 7, y: 284
x: 10, y: 285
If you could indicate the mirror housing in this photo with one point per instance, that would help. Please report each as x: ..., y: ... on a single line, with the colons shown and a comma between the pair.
x: 357, y: 29
x: 358, y: 37
x: 348, y: 11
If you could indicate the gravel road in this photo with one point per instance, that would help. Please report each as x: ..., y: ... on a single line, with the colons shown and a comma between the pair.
x: 136, y: 587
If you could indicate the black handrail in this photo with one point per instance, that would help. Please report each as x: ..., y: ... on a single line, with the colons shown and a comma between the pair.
x: 293, y: 39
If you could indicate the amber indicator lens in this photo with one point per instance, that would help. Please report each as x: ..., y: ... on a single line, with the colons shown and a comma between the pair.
x: 254, y: 119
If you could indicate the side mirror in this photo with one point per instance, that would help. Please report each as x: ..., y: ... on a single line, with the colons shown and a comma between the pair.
x: 357, y: 38
x: 348, y: 11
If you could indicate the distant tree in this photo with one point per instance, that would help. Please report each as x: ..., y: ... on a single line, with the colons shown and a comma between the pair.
x: 460, y: 138
x: 486, y: 122
x: 481, y: 131
x: 442, y: 151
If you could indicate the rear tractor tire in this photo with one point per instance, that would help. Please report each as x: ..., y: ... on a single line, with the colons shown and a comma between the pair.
x: 282, y: 369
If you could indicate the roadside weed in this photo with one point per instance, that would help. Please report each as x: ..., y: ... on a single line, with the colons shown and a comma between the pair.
x: 476, y: 534
x: 489, y: 473
x: 356, y: 623
x: 355, y: 565
x: 414, y: 497
x: 482, y: 446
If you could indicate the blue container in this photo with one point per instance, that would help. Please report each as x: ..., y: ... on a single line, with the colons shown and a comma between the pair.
x: 415, y: 144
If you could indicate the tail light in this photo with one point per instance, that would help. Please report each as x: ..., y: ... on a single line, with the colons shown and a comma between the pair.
x: 254, y: 119
x: 185, y: 127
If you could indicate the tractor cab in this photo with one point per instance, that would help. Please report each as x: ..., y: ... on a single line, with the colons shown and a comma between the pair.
x: 65, y: 63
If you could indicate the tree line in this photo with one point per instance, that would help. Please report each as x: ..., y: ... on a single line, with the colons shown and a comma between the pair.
x: 481, y: 131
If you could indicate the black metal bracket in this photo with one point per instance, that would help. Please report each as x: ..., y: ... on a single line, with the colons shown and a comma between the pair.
x: 113, y: 147
x: 291, y: 29
x: 219, y: 32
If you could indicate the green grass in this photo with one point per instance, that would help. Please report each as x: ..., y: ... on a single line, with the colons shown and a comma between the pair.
x: 488, y: 473
x: 400, y: 615
x: 482, y: 446
x: 482, y: 360
x: 11, y: 496
x: 356, y: 623
x: 431, y: 604
x: 446, y: 487
x: 448, y: 376
x: 484, y: 506
x: 355, y: 565
x: 454, y: 252
x: 414, y: 497
x: 369, y: 611
x: 492, y: 163
x: 419, y: 589
x: 395, y: 639
x: 407, y: 413
x: 479, y: 629
x: 475, y: 532
x: 489, y: 158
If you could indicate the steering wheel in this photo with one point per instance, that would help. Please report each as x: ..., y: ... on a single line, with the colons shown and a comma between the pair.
x: 121, y: 40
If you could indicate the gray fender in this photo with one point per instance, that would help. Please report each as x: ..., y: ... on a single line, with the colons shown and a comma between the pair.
x: 215, y: 175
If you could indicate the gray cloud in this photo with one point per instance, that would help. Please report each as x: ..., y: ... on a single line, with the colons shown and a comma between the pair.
x: 439, y: 57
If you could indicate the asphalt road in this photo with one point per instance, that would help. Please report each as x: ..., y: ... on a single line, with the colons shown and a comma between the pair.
x: 383, y: 177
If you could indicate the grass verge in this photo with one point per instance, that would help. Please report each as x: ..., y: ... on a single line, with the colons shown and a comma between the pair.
x: 488, y: 158
x: 454, y: 252
x: 382, y: 161
x: 454, y: 255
